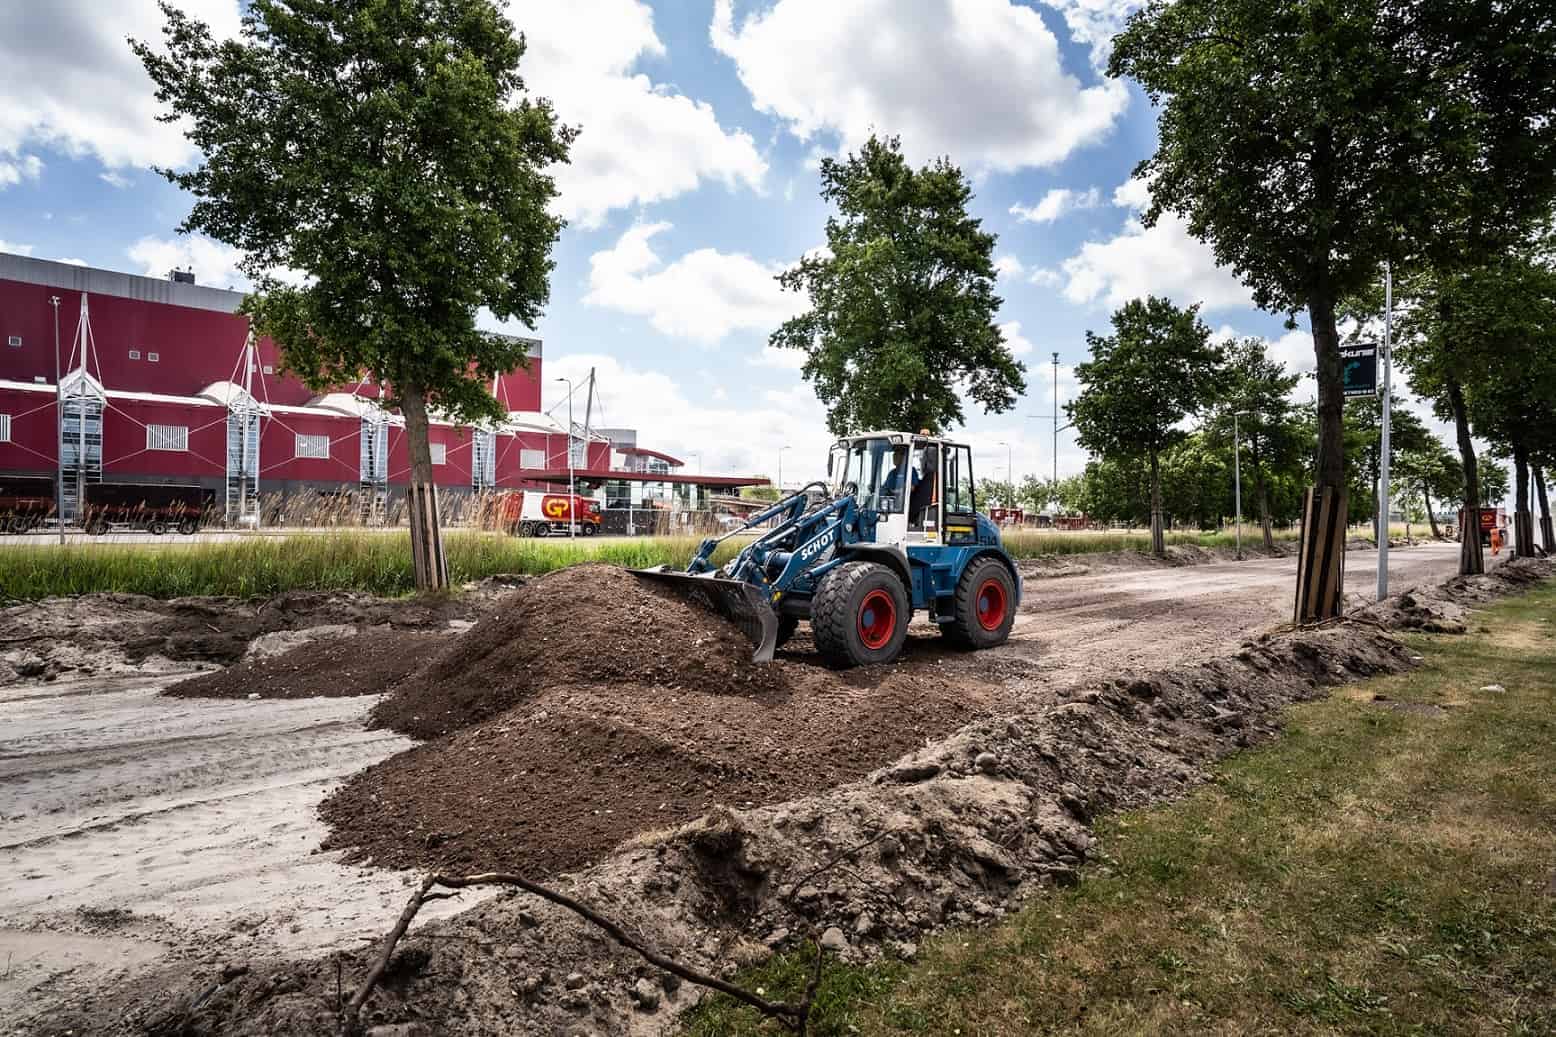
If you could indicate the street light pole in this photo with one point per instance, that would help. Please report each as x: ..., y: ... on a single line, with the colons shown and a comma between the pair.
x: 1237, y: 479
x: 1383, y: 467
x: 59, y: 431
x: 572, y: 497
x: 780, y: 469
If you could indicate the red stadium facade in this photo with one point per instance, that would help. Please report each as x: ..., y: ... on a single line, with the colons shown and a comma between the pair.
x: 161, y: 386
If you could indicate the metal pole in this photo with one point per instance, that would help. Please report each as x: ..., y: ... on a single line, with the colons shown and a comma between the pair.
x: 1237, y: 478
x: 1053, y: 485
x: 81, y: 420
x: 59, y: 431
x: 1383, y: 467
x: 572, y: 502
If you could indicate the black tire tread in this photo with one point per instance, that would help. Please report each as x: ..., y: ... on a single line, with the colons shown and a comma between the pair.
x: 832, y: 621
x: 963, y: 630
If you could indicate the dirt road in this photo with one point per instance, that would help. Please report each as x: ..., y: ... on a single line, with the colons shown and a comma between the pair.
x: 141, y: 831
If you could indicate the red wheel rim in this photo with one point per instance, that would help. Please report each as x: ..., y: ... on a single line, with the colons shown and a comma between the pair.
x: 991, y: 605
x: 877, y: 619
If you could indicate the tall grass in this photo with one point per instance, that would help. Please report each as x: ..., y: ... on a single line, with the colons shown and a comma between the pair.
x: 380, y: 563
x: 375, y: 563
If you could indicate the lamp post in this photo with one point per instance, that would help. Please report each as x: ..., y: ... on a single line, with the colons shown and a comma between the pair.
x: 1010, y: 473
x: 1237, y: 478
x: 1383, y: 467
x: 59, y: 431
x: 780, y: 468
x: 572, y: 500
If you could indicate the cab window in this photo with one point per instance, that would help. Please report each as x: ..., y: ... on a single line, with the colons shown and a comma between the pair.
x: 958, y: 481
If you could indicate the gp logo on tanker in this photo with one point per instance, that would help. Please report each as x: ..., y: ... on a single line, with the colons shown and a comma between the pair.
x: 554, y: 507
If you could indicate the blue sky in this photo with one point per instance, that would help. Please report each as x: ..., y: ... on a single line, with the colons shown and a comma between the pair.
x: 693, y: 182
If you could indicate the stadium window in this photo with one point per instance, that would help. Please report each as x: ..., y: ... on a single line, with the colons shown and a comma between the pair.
x: 134, y: 354
x: 14, y: 341
x: 269, y: 369
x: 439, y: 453
x: 532, y: 459
x: 5, y: 428
x: 313, y: 446
x: 167, y: 437
x: 152, y: 358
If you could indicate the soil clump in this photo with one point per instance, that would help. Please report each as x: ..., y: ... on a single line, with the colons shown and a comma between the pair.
x: 587, y: 624
x: 366, y: 663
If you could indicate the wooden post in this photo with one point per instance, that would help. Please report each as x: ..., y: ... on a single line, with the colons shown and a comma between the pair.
x: 427, y: 538
x: 1321, y: 559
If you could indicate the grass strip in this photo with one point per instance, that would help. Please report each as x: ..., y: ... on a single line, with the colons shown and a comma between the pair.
x: 1386, y: 867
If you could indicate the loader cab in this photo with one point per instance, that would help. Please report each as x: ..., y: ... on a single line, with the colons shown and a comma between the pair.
x: 916, y: 490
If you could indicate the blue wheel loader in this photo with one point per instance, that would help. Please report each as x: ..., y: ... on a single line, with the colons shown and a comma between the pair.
x: 892, y: 531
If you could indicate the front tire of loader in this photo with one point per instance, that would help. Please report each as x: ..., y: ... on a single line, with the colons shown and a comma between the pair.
x: 859, y: 615
x: 985, y: 605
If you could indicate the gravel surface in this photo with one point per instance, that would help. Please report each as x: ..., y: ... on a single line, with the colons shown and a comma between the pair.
x: 189, y: 825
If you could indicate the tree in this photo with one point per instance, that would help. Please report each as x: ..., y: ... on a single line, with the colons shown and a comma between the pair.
x: 385, y: 151
x: 1257, y: 390
x: 1494, y: 484
x: 1426, y: 475
x: 1310, y: 140
x: 1364, y: 450
x: 998, y: 493
x: 1157, y: 368
x: 902, y: 303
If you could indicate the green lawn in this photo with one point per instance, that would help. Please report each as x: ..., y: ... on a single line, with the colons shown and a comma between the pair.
x: 1377, y: 870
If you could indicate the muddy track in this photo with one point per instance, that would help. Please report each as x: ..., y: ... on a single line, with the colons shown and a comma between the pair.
x: 197, y: 817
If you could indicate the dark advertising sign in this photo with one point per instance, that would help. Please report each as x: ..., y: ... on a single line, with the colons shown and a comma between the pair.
x: 1359, y: 365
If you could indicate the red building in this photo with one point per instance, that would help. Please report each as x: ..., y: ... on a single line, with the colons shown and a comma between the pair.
x: 162, y: 386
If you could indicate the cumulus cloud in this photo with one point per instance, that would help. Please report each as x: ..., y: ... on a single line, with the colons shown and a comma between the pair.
x: 1094, y: 23
x: 1016, y: 342
x: 781, y: 359
x: 118, y: 181
x: 70, y: 82
x: 22, y: 167
x: 15, y: 248
x: 1046, y: 277
x: 979, y: 80
x: 640, y: 141
x: 683, y: 419
x: 703, y: 295
x: 1162, y: 260
x: 1055, y: 204
x: 213, y: 263
x: 1008, y: 266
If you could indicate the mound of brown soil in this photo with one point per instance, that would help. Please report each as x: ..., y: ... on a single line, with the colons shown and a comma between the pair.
x: 365, y: 664
x: 555, y: 783
x: 588, y: 624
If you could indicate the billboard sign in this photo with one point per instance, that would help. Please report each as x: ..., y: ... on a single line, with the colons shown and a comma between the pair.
x: 1359, y: 365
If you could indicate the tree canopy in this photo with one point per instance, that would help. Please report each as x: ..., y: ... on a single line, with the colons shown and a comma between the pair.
x: 902, y: 303
x: 1155, y: 369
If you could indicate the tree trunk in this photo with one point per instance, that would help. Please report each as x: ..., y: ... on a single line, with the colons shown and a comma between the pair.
x: 1264, y: 514
x: 1523, y: 518
x: 1321, y: 558
x: 1431, y: 517
x: 426, y: 534
x: 1158, y: 540
x: 1471, y: 559
x: 1547, y: 532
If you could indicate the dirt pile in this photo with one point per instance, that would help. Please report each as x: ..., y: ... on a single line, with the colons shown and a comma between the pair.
x: 366, y: 663
x: 557, y: 782
x: 588, y: 624
x: 130, y: 633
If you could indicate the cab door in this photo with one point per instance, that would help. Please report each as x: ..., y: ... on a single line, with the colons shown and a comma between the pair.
x: 958, y: 507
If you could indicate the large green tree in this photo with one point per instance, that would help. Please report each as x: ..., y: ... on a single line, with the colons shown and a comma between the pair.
x: 385, y: 151
x: 1257, y: 391
x: 1308, y: 141
x: 1429, y: 475
x: 1155, y: 369
x: 902, y: 303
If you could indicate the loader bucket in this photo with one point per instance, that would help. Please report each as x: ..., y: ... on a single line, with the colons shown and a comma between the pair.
x: 735, y: 600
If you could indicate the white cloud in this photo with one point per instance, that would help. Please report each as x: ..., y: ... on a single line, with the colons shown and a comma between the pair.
x: 69, y: 81
x: 15, y: 248
x: 214, y: 263
x: 1094, y: 23
x: 1163, y: 260
x: 1045, y: 277
x: 118, y: 181
x: 683, y: 421
x: 1133, y: 193
x: 782, y: 359
x: 73, y: 261
x: 704, y: 295
x: 23, y: 167
x: 640, y: 141
x: 1055, y: 204
x: 1014, y: 340
x: 1008, y: 266
x: 979, y: 80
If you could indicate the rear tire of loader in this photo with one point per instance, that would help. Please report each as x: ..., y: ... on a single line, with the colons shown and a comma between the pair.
x: 859, y: 615
x: 985, y: 605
